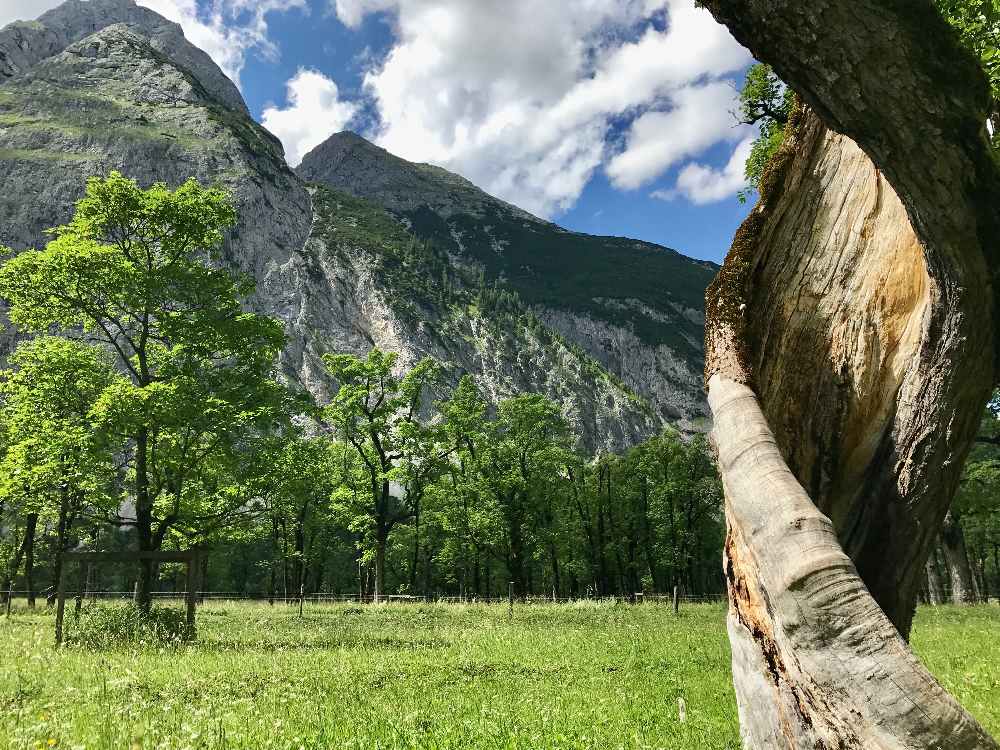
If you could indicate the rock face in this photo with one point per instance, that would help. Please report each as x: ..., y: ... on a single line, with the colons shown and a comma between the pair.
x: 23, y: 44
x: 410, y: 258
x: 133, y: 96
x: 635, y: 307
x: 362, y: 279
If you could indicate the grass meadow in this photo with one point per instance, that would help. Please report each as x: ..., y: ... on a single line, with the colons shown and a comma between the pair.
x: 587, y: 675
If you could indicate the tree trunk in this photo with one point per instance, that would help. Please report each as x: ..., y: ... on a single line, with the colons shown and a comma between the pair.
x: 30, y: 529
x: 996, y: 569
x: 381, y: 538
x: 299, y: 569
x: 849, y: 353
x: 272, y: 583
x: 202, y: 575
x: 62, y: 531
x: 320, y: 573
x: 516, y: 552
x: 554, y: 563
x: 935, y: 588
x: 11, y: 578
x: 143, y: 521
x: 415, y: 559
x: 956, y: 560
x: 984, y: 584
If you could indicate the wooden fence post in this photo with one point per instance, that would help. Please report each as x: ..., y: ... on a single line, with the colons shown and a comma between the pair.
x: 302, y: 595
x: 677, y: 601
x: 510, y: 599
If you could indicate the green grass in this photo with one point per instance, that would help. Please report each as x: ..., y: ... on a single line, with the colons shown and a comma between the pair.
x: 406, y: 676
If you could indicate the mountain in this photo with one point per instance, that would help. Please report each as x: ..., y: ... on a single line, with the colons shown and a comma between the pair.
x: 359, y: 248
x: 636, y: 307
x: 102, y: 85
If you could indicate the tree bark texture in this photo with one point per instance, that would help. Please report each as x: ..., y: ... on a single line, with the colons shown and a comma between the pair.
x: 849, y: 353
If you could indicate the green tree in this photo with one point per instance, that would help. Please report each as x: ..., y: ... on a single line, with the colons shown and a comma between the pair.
x: 765, y: 101
x: 303, y: 477
x: 134, y: 270
x: 976, y: 511
x: 379, y: 415
x: 978, y: 25
x: 56, y: 462
x: 509, y: 465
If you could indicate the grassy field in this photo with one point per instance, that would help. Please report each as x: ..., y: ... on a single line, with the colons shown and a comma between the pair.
x: 590, y: 675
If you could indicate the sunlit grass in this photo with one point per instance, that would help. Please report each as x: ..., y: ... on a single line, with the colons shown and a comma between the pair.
x: 961, y: 647
x: 409, y: 676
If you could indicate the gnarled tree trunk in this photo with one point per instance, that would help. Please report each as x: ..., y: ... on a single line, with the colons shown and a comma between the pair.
x: 849, y: 352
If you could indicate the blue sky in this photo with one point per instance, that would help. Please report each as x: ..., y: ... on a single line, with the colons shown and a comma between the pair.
x: 606, y: 116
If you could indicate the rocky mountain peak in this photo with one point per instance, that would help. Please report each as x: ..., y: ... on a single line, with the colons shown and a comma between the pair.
x: 25, y: 44
x: 346, y: 161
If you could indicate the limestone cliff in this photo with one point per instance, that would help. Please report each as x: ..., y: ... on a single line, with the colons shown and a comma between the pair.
x: 635, y: 307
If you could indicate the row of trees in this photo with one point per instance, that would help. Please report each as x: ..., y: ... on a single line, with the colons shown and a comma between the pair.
x: 145, y: 412
x: 154, y: 420
x: 472, y: 498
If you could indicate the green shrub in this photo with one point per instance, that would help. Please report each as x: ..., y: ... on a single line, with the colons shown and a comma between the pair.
x: 102, y: 626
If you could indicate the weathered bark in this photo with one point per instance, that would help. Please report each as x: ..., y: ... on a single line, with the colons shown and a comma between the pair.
x: 816, y: 662
x: 849, y: 352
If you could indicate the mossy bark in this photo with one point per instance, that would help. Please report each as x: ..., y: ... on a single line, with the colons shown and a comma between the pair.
x: 850, y: 349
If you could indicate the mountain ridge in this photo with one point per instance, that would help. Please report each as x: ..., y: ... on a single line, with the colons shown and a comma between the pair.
x: 633, y: 305
x: 342, y: 271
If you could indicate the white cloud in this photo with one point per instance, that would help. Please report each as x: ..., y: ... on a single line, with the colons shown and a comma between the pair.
x: 702, y: 184
x: 226, y: 29
x: 24, y: 10
x: 699, y: 118
x: 314, y: 112
x: 521, y: 96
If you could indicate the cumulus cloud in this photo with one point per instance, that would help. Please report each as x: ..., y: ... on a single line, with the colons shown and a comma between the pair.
x: 24, y: 10
x: 703, y: 184
x: 314, y: 112
x: 226, y: 29
x: 699, y: 117
x: 522, y: 97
